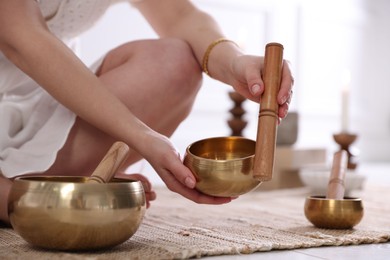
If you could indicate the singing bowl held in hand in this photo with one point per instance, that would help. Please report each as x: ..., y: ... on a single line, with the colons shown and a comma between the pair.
x: 66, y: 213
x: 222, y: 166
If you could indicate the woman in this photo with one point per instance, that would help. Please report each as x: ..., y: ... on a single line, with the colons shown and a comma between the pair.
x: 59, y: 117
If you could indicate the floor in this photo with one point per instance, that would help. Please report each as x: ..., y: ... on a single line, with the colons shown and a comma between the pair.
x: 372, y: 252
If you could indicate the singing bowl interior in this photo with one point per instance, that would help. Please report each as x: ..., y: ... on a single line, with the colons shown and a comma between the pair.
x: 223, y: 166
x: 334, y: 214
x: 65, y: 213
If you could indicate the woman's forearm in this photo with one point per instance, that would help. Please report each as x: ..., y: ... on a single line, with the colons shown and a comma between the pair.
x: 183, y: 20
x: 207, y: 32
x: 54, y: 67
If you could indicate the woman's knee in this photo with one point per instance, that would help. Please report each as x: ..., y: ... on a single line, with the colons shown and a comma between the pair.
x: 170, y: 71
x: 181, y: 70
x: 181, y: 64
x: 184, y: 73
x: 173, y: 57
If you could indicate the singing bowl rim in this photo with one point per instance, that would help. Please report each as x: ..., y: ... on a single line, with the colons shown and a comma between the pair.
x: 76, y: 180
x: 235, y: 138
x: 323, y: 198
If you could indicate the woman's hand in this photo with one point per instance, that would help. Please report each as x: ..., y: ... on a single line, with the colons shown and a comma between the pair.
x: 166, y: 161
x: 247, y: 81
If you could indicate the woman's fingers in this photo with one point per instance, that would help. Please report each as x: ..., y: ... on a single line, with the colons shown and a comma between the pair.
x: 286, y: 91
x: 182, y: 174
x: 175, y: 185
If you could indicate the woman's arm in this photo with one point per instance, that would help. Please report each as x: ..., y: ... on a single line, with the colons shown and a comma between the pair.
x: 26, y: 41
x: 227, y: 63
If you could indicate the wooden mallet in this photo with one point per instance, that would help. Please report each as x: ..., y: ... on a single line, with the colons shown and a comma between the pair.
x: 336, y: 186
x: 110, y: 164
x: 268, y: 116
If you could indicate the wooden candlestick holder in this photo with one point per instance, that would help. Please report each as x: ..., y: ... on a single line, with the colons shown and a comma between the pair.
x: 344, y: 140
x: 237, y: 123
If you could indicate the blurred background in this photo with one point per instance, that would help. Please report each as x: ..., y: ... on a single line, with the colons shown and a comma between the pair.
x: 338, y: 50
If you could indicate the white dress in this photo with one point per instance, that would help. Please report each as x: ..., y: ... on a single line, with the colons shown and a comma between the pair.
x: 33, y: 125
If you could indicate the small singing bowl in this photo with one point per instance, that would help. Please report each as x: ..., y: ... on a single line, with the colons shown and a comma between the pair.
x: 334, y: 214
x: 222, y: 166
x: 65, y: 213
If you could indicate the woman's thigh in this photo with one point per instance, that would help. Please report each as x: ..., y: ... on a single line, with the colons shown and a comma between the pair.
x: 156, y: 79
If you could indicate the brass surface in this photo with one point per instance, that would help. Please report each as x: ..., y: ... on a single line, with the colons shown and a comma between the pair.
x: 223, y: 166
x: 65, y: 213
x: 334, y: 214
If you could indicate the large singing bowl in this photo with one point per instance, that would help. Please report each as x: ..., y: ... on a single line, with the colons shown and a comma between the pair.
x: 65, y: 213
x: 223, y: 166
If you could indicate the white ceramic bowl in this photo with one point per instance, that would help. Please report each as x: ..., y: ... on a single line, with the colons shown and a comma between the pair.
x: 317, y: 177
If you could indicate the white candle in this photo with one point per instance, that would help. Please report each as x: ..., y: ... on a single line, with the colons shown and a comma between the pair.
x: 345, y: 102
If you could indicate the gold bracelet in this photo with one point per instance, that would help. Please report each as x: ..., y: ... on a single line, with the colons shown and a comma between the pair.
x: 208, y: 51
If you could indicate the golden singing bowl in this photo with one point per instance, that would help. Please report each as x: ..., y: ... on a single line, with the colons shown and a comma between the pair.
x: 223, y: 166
x: 334, y: 214
x: 64, y: 213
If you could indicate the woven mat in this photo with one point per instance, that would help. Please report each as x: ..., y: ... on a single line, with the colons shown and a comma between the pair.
x: 175, y: 228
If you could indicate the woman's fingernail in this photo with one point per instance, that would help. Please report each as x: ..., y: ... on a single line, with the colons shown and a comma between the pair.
x: 189, y: 182
x: 255, y: 89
